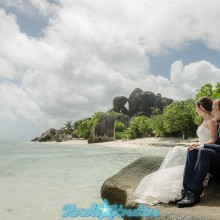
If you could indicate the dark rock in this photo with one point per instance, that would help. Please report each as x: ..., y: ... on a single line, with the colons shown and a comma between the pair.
x: 119, y: 102
x: 68, y: 137
x: 147, y: 102
x: 104, y: 130
x: 162, y: 102
x: 49, y: 135
x: 124, y: 119
x: 58, y: 137
x: 158, y: 95
x: 140, y: 101
x: 124, y: 110
x: 135, y: 101
x: 147, y: 98
x: 74, y: 134
x: 119, y: 190
x: 35, y: 139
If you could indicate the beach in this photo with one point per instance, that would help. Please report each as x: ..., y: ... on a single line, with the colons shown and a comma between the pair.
x: 137, y: 143
x: 37, y: 179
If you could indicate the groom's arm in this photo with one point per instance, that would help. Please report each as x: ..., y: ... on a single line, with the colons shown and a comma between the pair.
x: 214, y: 147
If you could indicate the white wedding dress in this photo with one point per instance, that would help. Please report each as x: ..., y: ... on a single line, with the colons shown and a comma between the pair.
x: 166, y: 183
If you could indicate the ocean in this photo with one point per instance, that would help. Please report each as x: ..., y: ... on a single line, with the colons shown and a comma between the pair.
x: 38, y: 179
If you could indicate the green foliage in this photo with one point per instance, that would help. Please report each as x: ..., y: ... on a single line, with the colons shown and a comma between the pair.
x: 140, y: 126
x: 76, y: 124
x: 119, y: 135
x: 155, y: 110
x: 179, y: 117
x: 96, y: 118
x: 198, y: 120
x: 84, y: 127
x: 119, y: 126
x: 129, y: 134
x: 157, y: 125
x: 216, y: 91
x: 68, y: 128
x: 209, y: 90
x: 114, y: 114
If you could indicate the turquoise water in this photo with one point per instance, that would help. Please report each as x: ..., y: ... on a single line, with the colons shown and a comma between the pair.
x: 38, y: 179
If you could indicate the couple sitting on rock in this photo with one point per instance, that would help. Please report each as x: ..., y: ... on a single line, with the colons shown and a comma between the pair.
x: 184, y: 173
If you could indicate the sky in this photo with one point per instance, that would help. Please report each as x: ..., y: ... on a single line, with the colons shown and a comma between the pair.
x: 63, y: 60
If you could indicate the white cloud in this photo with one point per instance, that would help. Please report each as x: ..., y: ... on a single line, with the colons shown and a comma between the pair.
x: 95, y: 50
x: 15, y: 103
x: 193, y: 75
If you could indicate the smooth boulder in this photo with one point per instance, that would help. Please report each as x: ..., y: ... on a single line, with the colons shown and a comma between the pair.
x: 119, y: 189
x: 103, y: 131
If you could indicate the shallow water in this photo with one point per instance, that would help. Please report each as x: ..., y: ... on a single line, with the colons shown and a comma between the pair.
x: 38, y: 179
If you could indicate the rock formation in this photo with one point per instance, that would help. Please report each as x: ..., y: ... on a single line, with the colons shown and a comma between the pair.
x: 49, y: 135
x: 119, y: 189
x: 104, y: 130
x: 119, y: 102
x: 140, y: 103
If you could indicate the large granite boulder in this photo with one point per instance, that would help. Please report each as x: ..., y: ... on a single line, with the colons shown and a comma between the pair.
x: 147, y: 102
x: 49, y: 135
x: 134, y: 101
x: 119, y: 103
x: 144, y: 102
x: 104, y: 130
x: 162, y: 102
x: 59, y: 135
x: 124, y: 110
x: 158, y: 95
x: 119, y: 189
x: 124, y: 119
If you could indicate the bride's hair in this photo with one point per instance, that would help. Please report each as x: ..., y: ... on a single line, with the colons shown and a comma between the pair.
x: 206, y: 103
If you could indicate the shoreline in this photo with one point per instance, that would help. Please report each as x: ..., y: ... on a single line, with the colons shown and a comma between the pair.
x: 137, y: 143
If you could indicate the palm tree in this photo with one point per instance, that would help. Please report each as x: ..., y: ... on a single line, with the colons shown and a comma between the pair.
x: 69, y: 128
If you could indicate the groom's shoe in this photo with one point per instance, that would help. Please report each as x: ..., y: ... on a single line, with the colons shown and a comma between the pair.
x: 183, y: 193
x: 190, y: 199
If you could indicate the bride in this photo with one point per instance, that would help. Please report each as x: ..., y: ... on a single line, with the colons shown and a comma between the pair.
x: 166, y: 183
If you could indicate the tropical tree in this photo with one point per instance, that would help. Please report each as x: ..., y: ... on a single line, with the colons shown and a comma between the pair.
x: 68, y: 127
x: 119, y: 130
x: 157, y: 126
x: 209, y: 90
x: 179, y: 118
x: 140, y: 126
x: 84, y: 127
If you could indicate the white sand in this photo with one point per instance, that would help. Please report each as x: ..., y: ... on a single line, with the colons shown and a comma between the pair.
x: 142, y: 142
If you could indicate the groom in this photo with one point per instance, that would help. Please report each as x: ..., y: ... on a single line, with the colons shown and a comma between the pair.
x: 200, y: 160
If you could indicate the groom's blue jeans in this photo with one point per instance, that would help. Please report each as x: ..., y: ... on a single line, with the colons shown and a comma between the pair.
x: 198, y: 164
